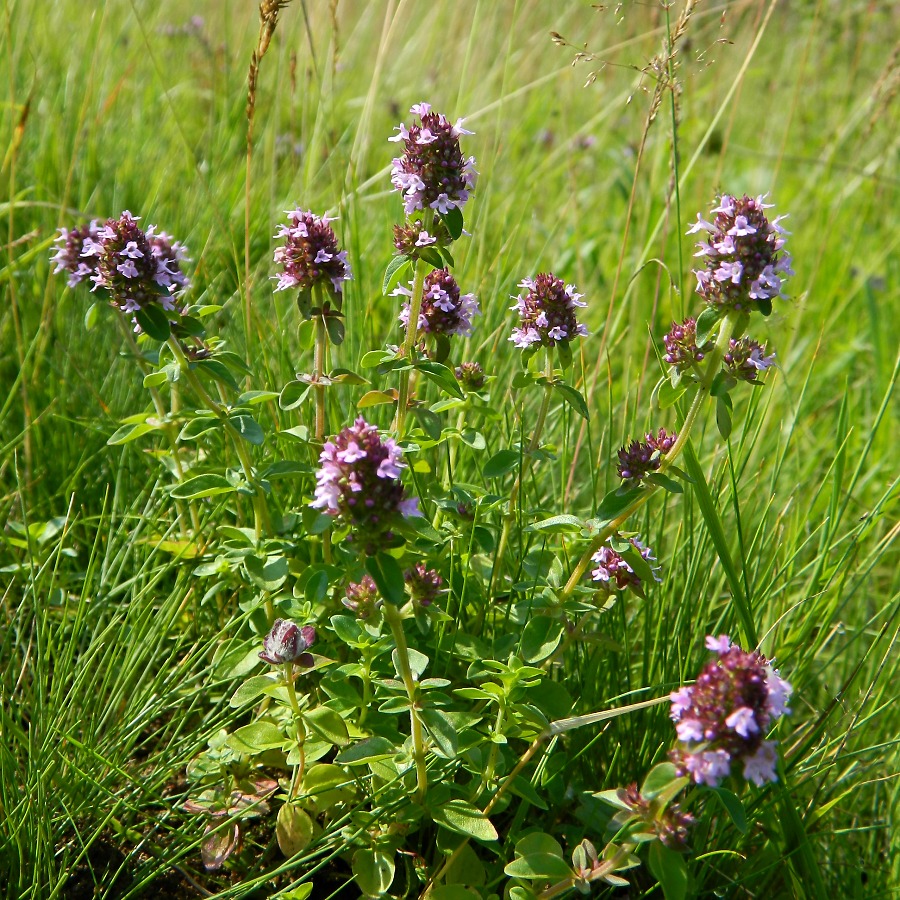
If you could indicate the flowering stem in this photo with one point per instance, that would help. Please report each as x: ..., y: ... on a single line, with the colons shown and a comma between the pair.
x: 319, y: 366
x: 510, y: 517
x: 260, y: 511
x: 392, y: 615
x: 727, y: 327
x: 300, y: 730
x: 412, y: 328
x: 168, y: 427
x: 321, y: 346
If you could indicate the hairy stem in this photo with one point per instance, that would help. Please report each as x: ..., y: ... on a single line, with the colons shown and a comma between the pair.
x: 393, y: 618
x: 512, y: 510
x: 412, y: 328
x: 300, y: 729
x: 713, y: 361
x: 260, y: 510
x: 169, y: 428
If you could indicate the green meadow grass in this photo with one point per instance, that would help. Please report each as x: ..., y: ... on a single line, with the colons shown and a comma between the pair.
x: 108, y: 686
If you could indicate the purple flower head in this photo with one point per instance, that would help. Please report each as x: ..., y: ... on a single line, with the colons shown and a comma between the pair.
x: 409, y: 239
x: 547, y: 312
x: 362, y: 598
x: 746, y: 359
x: 70, y: 252
x: 639, y: 458
x: 470, y: 375
x: 359, y: 483
x: 682, y: 351
x: 288, y: 643
x: 423, y: 584
x: 310, y: 254
x: 134, y: 267
x: 671, y: 824
x: 444, y: 310
x: 722, y: 719
x: 745, y: 265
x: 432, y: 172
x: 615, y: 573
x: 169, y: 255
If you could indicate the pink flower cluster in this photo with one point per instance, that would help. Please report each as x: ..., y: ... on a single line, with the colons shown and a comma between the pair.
x: 746, y: 359
x: 721, y: 720
x: 310, y: 254
x: 444, y: 310
x: 744, y: 266
x: 362, y: 597
x: 359, y: 484
x: 682, y: 351
x: 137, y: 268
x: 614, y: 572
x: 640, y: 458
x: 547, y: 312
x: 432, y: 172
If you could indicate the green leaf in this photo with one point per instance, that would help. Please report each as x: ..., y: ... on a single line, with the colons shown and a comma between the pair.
x: 723, y: 415
x: 373, y: 871
x: 335, y: 328
x: 443, y: 376
x: 328, y: 724
x: 395, y: 270
x: 669, y: 869
x: 573, y: 397
x: 502, y: 462
x: 658, y: 779
x: 129, y: 433
x: 666, y: 483
x: 293, y: 829
x: 453, y: 219
x: 430, y: 422
x: 268, y: 574
x: 202, y: 486
x: 252, y: 398
x: 442, y: 731
x: 665, y: 394
x: 706, y: 324
x: 306, y: 329
x: 564, y: 524
x: 431, y: 256
x: 540, y: 638
x: 564, y: 355
x: 474, y: 439
x: 250, y: 690
x: 539, y: 866
x: 248, y: 428
x: 388, y: 576
x: 219, y: 371
x: 369, y: 750
x: 285, y: 468
x: 538, y: 842
x: 90, y: 318
x: 375, y: 358
x: 734, y: 807
x: 199, y: 426
x: 465, y: 819
x: 453, y: 892
x: 154, y: 322
x: 615, y: 503
x: 374, y: 398
x: 256, y: 737
x: 346, y: 376
x: 293, y: 394
x: 155, y: 379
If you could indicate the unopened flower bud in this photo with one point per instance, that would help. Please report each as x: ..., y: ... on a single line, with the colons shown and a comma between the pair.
x: 288, y: 643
